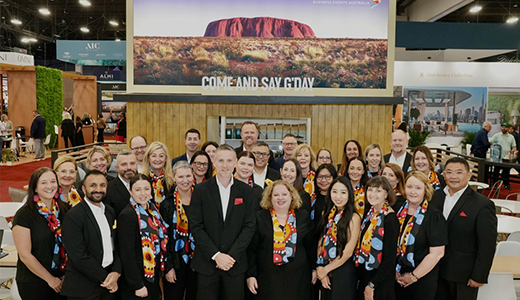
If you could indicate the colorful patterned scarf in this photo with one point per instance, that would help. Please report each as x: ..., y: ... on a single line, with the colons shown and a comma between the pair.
x: 284, y: 238
x: 195, y: 180
x: 59, y: 257
x: 214, y: 172
x: 408, y: 233
x: 328, y: 247
x: 308, y: 186
x: 158, y: 187
x: 184, y: 242
x: 359, y: 199
x: 249, y: 181
x: 73, y: 197
x: 369, y: 174
x: 154, y: 238
x: 434, y: 180
x: 369, y: 251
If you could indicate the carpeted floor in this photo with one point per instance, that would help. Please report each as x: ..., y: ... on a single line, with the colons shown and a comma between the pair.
x: 18, y: 176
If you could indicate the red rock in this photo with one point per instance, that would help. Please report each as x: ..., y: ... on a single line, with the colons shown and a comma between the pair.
x: 258, y: 27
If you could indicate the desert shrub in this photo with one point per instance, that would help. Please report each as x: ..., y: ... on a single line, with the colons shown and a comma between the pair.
x: 199, y: 52
x: 255, y: 56
x: 313, y: 52
x: 220, y: 59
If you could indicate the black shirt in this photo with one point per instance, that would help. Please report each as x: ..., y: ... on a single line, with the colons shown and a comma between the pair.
x: 42, y: 241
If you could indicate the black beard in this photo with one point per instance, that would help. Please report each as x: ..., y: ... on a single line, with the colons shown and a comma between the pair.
x: 92, y: 199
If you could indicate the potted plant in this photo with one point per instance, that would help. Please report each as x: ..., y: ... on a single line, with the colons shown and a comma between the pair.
x: 8, y: 156
x: 468, y: 139
x: 417, y: 138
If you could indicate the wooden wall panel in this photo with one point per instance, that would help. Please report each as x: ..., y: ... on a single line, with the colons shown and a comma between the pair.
x: 332, y: 124
x: 22, y: 98
x: 85, y: 97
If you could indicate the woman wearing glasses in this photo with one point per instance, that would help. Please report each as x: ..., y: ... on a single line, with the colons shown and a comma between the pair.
x: 202, y: 167
x: 324, y: 156
x: 325, y: 174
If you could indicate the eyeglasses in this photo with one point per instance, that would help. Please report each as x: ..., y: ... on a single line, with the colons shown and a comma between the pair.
x: 324, y: 157
x: 139, y: 148
x: 262, y: 154
x: 201, y: 164
x: 324, y: 177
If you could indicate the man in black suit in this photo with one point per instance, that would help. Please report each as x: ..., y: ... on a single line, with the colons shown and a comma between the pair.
x: 249, y: 134
x: 289, y: 143
x: 38, y: 134
x: 222, y: 222
x: 88, y: 231
x: 472, y: 233
x: 399, y: 155
x: 263, y: 175
x: 118, y: 195
x: 192, y: 142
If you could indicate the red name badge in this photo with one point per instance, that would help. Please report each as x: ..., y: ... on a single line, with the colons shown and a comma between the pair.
x: 463, y: 214
x: 239, y: 201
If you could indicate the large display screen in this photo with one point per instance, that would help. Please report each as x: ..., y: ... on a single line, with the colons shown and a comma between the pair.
x: 268, y: 47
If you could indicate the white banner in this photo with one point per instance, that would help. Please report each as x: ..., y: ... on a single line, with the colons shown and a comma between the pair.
x: 446, y: 74
x: 18, y: 59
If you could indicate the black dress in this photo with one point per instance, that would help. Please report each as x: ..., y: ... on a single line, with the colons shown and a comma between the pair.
x: 131, y: 254
x: 79, y: 135
x: 30, y: 286
x: 306, y: 201
x: 384, y: 277
x: 432, y: 233
x: 288, y: 281
x: 67, y: 132
x: 185, y: 287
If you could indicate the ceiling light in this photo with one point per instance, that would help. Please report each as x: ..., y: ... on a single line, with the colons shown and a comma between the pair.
x: 512, y: 20
x: 85, y: 2
x: 32, y: 40
x: 25, y: 40
x: 16, y: 22
x: 44, y: 11
x: 84, y: 29
x: 118, y: 40
x: 28, y: 40
x: 113, y: 23
x: 475, y: 9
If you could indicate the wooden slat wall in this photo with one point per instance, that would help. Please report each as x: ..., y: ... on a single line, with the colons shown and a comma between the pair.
x: 332, y: 125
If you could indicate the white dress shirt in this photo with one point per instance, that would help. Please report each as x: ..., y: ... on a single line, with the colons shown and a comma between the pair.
x: 188, y: 157
x: 101, y: 219
x: 225, y: 193
x: 127, y: 185
x: 398, y: 161
x: 450, y: 201
x: 260, y: 178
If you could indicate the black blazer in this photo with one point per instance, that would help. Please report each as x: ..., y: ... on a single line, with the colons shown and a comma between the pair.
x: 118, y: 196
x: 472, y: 233
x: 67, y: 128
x: 212, y: 234
x: 271, y: 154
x: 129, y: 239
x: 272, y: 175
x: 38, y: 127
x: 82, y: 240
x: 407, y: 162
x: 179, y: 158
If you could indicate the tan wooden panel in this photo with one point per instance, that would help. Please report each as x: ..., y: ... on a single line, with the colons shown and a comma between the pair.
x: 338, y: 128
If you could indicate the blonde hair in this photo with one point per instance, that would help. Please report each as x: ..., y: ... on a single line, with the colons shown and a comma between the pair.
x: 66, y: 116
x: 372, y: 147
x: 64, y: 159
x: 267, y: 203
x: 168, y: 173
x: 301, y: 147
x: 101, y: 150
x: 428, y: 189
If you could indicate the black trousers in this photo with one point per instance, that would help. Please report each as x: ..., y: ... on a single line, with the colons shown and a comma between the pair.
x: 504, y: 176
x: 100, y: 137
x: 97, y: 294
x: 424, y: 289
x: 449, y: 290
x: 66, y: 139
x: 185, y: 287
x: 220, y: 286
x: 37, y: 290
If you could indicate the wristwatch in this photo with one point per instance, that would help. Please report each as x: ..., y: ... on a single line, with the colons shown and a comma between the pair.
x: 371, y: 285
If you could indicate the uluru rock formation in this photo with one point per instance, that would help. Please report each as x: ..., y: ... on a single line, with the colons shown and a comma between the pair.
x: 258, y: 27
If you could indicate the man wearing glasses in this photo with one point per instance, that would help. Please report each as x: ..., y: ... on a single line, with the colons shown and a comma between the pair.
x: 262, y: 174
x: 138, y: 146
x: 289, y: 143
x: 472, y: 233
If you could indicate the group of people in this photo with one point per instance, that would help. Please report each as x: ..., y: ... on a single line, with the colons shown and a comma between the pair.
x: 224, y: 223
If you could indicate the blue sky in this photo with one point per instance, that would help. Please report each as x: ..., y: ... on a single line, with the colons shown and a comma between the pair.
x: 328, y: 19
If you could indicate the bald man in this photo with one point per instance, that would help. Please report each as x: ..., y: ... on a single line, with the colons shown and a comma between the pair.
x: 399, y: 155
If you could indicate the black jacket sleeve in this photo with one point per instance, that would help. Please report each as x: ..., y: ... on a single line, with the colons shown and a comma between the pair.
x: 486, y: 229
x: 127, y: 235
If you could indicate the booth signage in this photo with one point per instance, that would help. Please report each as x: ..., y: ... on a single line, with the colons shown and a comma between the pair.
x: 90, y: 50
x: 18, y: 59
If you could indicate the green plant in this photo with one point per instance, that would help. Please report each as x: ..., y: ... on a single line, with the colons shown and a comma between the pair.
x: 49, y: 98
x: 468, y: 138
x: 8, y: 155
x: 415, y: 113
x: 417, y: 138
